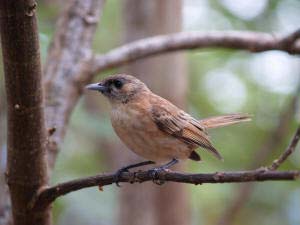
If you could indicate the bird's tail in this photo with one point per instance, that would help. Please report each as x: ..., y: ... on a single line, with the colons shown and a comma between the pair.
x: 221, y: 121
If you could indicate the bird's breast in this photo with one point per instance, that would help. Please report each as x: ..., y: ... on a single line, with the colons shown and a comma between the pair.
x: 131, y: 121
x: 135, y: 127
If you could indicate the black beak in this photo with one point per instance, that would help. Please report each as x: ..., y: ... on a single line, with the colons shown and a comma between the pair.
x: 96, y: 87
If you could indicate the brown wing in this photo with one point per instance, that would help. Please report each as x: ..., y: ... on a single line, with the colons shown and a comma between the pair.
x: 182, y: 126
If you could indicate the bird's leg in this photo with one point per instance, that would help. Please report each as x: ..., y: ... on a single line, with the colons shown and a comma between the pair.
x: 126, y: 169
x: 155, y: 171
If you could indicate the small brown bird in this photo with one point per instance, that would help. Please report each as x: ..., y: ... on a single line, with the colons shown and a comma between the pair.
x: 153, y: 127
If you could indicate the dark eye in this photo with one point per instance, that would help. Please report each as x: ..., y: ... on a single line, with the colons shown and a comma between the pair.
x: 118, y: 84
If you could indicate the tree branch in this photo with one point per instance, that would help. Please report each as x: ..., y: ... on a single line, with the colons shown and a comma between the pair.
x: 67, y: 57
x: 250, y: 41
x: 48, y: 195
x: 290, y: 149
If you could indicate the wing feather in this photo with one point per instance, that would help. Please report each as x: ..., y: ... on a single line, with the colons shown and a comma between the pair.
x: 182, y: 126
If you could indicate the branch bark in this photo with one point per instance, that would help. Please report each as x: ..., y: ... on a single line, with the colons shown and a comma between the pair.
x: 67, y: 57
x: 290, y: 149
x: 48, y: 195
x: 249, y: 41
x: 27, y: 165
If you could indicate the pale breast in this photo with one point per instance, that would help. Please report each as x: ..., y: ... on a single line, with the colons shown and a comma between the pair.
x: 137, y: 130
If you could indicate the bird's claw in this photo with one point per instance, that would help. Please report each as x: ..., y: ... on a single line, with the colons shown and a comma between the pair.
x: 154, y: 173
x: 118, y: 175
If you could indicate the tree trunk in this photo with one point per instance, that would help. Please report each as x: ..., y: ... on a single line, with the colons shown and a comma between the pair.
x: 5, y: 215
x: 147, y: 203
x: 27, y: 168
x: 5, y: 212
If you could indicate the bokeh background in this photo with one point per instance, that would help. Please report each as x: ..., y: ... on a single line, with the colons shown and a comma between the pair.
x: 205, y: 82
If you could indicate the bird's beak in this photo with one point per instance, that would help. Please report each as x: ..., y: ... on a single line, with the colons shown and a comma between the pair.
x: 96, y: 87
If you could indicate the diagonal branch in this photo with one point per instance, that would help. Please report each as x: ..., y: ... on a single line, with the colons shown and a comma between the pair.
x: 250, y: 41
x: 48, y: 195
x: 290, y: 149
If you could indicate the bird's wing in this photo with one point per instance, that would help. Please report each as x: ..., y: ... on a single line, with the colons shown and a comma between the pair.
x: 182, y: 126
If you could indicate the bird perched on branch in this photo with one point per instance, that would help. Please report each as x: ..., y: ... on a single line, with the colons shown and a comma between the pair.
x: 153, y: 127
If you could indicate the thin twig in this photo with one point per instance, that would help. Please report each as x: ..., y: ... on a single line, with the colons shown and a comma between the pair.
x: 289, y: 150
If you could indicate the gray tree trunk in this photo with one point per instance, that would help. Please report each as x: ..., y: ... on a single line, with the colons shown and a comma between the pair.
x: 147, y: 203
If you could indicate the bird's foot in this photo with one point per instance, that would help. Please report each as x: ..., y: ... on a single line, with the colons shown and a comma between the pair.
x: 118, y: 174
x: 126, y: 169
x: 154, y: 173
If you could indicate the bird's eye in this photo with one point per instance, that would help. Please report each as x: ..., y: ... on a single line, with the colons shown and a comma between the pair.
x: 118, y: 84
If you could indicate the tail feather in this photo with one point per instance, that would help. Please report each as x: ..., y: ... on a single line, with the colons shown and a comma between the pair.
x: 221, y: 121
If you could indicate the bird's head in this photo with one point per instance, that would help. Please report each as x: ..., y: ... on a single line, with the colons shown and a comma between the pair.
x: 120, y: 88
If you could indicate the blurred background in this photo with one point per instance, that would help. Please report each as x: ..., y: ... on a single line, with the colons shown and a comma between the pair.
x: 204, y: 82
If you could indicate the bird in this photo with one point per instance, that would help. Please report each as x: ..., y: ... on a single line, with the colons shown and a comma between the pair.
x: 153, y: 127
